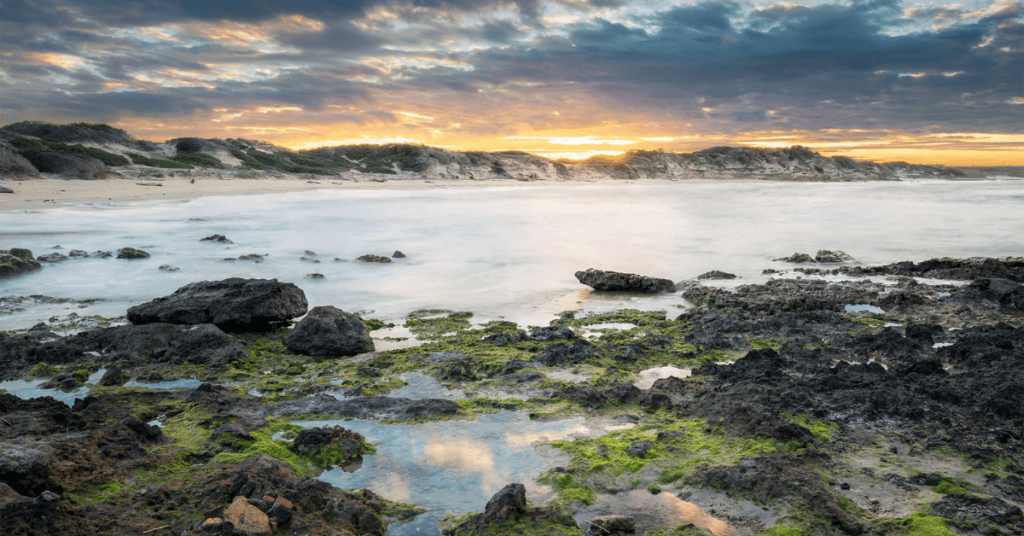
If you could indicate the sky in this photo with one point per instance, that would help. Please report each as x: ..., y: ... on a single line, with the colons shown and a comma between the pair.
x: 882, y: 80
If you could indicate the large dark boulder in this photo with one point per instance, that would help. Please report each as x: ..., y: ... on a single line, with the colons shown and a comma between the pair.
x: 604, y: 280
x: 233, y: 304
x: 329, y: 331
x: 17, y: 261
x: 201, y: 344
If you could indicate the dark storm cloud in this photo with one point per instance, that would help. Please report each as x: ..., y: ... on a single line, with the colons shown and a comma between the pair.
x: 833, y: 65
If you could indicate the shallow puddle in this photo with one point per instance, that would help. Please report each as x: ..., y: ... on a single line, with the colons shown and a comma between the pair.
x: 652, y: 512
x: 422, y: 386
x: 172, y: 384
x: 863, y: 308
x: 27, y: 389
x: 454, y: 466
x: 651, y: 375
x: 385, y: 339
x: 567, y: 376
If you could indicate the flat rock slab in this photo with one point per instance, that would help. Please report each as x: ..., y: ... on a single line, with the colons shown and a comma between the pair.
x: 604, y: 280
x: 233, y: 304
x: 374, y: 407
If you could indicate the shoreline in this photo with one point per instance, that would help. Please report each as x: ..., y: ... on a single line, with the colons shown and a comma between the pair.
x: 49, y: 192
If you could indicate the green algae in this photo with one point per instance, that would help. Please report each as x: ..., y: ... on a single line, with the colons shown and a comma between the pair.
x: 92, y: 492
x: 681, y: 530
x: 919, y: 524
x: 523, y: 525
x: 42, y: 370
x: 822, y: 431
x: 948, y: 486
x: 782, y: 530
x: 373, y: 324
x: 426, y: 327
x: 303, y: 464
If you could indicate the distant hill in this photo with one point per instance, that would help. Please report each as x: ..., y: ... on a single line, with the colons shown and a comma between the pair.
x: 90, y: 151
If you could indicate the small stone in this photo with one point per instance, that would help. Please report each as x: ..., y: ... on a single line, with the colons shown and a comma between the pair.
x: 103, y: 254
x: 797, y: 258
x: 374, y: 258
x: 52, y: 257
x: 398, y: 255
x: 310, y: 253
x: 77, y: 253
x: 39, y: 328
x: 716, y: 274
x: 6, y: 190
x: 216, y: 238
x: 247, y: 518
x: 169, y: 268
x: 315, y: 276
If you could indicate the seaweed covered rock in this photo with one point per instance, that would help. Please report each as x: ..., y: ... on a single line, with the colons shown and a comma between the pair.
x: 233, y: 304
x: 796, y: 258
x: 329, y: 331
x: 507, y: 508
x: 607, y: 280
x: 373, y: 258
x: 131, y: 253
x: 330, y: 445
x: 826, y: 256
x: 16, y: 261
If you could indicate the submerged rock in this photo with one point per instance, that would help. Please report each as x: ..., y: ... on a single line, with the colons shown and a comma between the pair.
x: 329, y: 331
x: 612, y: 525
x: 398, y: 255
x: 232, y: 304
x: 716, y: 274
x: 131, y: 253
x: 605, y: 280
x: 17, y: 261
x: 52, y: 257
x: 168, y: 268
x: 217, y: 238
x: 797, y: 258
x: 371, y: 407
x: 373, y: 258
x: 825, y: 255
x: 77, y: 253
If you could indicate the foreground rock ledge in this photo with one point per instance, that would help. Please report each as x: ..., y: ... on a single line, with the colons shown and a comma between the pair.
x: 605, y: 280
x: 233, y: 304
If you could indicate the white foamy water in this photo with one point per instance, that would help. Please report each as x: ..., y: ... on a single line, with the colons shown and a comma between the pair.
x: 504, y: 251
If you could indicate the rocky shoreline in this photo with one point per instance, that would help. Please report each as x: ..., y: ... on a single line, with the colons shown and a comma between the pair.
x: 883, y: 400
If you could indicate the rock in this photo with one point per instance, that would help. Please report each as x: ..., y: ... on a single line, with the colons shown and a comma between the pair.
x: 602, y: 525
x: 924, y: 332
x: 314, y: 441
x: 17, y: 261
x: 716, y: 274
x: 566, y: 354
x: 41, y: 327
x: 103, y: 254
x: 398, y: 255
x: 280, y: 512
x: 309, y: 259
x: 168, y: 268
x: 233, y: 430
x: 963, y: 508
x: 604, y: 280
x: 77, y: 253
x: 52, y: 257
x: 639, y: 449
x: 113, y: 376
x: 233, y: 304
x: 329, y: 331
x: 373, y: 258
x: 991, y: 292
x: 552, y: 333
x: 247, y: 518
x: 310, y: 253
x: 314, y: 276
x: 825, y: 255
x: 131, y: 253
x: 439, y: 357
x: 6, y: 190
x: 798, y: 258
x: 371, y: 407
x: 216, y: 238
x: 201, y: 344
x: 508, y: 503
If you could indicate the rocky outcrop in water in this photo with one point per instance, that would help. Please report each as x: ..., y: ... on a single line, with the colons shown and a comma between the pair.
x: 605, y: 280
x: 17, y: 261
x: 329, y: 331
x: 372, y: 407
x: 1011, y: 268
x: 509, y: 505
x: 232, y: 304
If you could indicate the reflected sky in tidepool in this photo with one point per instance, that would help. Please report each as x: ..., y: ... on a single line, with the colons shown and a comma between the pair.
x: 453, y: 466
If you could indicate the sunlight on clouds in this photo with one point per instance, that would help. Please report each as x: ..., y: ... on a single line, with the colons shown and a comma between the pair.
x: 575, y: 140
x: 415, y: 116
x: 63, y: 61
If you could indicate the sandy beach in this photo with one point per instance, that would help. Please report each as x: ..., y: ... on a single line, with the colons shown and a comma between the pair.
x: 33, y: 194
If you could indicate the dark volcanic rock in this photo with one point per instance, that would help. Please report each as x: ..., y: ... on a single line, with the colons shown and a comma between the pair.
x: 216, y: 238
x: 398, y: 255
x: 316, y: 440
x: 716, y: 274
x: 566, y: 354
x: 113, y: 376
x: 232, y: 304
x: 825, y: 255
x: 603, y: 280
x: 131, y: 253
x: 201, y: 344
x: 510, y: 504
x: 961, y: 508
x: 797, y: 258
x: 52, y: 257
x: 373, y: 407
x: 786, y: 295
x: 19, y: 353
x: 1011, y: 268
x: 329, y: 331
x: 373, y: 258
x: 991, y: 292
x: 552, y: 333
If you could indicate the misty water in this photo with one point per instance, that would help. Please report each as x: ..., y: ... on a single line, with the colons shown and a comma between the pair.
x: 504, y: 251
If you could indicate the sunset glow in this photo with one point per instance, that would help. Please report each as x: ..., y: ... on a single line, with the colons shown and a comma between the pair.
x: 558, y: 79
